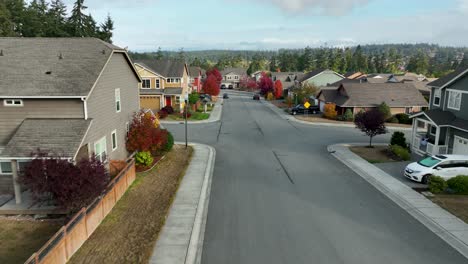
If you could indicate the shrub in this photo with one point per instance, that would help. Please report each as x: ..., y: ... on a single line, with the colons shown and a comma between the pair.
x: 348, y: 115
x: 193, y: 98
x: 182, y: 115
x: 170, y: 142
x: 398, y: 139
x: 393, y: 120
x: 459, y: 184
x: 403, y: 119
x: 329, y: 111
x: 144, y: 158
x: 144, y: 135
x: 437, y: 184
x: 270, y: 97
x: 169, y: 109
x: 385, y: 110
x: 162, y: 114
x: 71, y: 186
x: 401, y: 152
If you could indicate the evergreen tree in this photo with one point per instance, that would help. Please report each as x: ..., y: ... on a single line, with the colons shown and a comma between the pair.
x: 273, y: 64
x: 6, y: 24
x: 56, y: 17
x: 16, y: 10
x: 349, y: 60
x: 181, y: 54
x: 371, y: 68
x: 106, y: 29
x: 35, y: 19
x: 196, y: 62
x: 91, y: 29
x: 308, y: 60
x: 159, y: 54
x: 79, y: 22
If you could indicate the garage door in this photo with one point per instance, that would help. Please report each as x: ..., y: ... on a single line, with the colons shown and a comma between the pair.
x: 460, y: 146
x: 150, y: 102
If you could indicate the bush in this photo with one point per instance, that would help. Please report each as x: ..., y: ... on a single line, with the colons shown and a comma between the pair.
x: 398, y: 139
x: 348, y: 115
x: 182, y: 115
x: 144, y: 158
x: 169, y: 109
x: 329, y: 111
x: 437, y: 184
x: 393, y: 120
x: 162, y: 114
x: 459, y: 184
x: 193, y: 98
x: 403, y: 119
x: 170, y: 142
x: 401, y: 152
x: 385, y: 110
x: 270, y: 97
x: 144, y: 135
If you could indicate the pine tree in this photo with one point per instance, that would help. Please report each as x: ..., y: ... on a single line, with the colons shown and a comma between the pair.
x: 273, y: 64
x: 159, y: 54
x: 56, y: 17
x: 78, y: 20
x: 106, y: 29
x: 16, y: 10
x: 90, y: 27
x: 35, y: 19
x: 181, y: 54
x: 6, y: 24
x: 349, y: 60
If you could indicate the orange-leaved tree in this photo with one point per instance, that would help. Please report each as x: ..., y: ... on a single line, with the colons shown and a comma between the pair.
x: 278, y: 89
x: 329, y: 111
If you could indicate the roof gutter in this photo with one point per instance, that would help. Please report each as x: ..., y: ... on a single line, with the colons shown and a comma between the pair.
x: 85, y: 107
x: 43, y: 97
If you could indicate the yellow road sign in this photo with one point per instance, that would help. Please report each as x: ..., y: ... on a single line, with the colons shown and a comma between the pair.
x: 307, y: 105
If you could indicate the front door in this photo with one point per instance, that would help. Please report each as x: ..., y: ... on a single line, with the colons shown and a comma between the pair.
x: 168, y: 101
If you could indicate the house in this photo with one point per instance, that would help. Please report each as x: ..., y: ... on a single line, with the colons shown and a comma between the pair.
x: 195, y: 78
x: 232, y: 76
x: 164, y: 83
x: 400, y: 97
x: 257, y: 75
x: 319, y: 77
x: 72, y: 97
x: 288, y: 79
x: 445, y: 124
x: 354, y: 75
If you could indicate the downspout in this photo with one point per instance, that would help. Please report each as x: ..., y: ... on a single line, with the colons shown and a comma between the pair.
x: 85, y: 107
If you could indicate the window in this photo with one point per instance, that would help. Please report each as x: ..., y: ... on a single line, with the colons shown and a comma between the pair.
x: 168, y: 80
x: 22, y: 165
x: 437, y: 94
x: 454, y: 100
x: 146, y: 84
x: 433, y: 130
x: 157, y: 84
x: 114, y: 140
x: 127, y: 127
x: 177, y: 100
x: 236, y: 77
x: 5, y: 167
x: 118, y: 107
x: 13, y: 102
x: 100, y: 149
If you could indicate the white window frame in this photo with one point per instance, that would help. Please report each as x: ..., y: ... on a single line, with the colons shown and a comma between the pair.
x: 114, y: 138
x: 13, y: 102
x: 21, y: 161
x: 177, y: 100
x: 430, y: 130
x: 143, y: 81
x: 435, y: 96
x: 102, y: 140
x: 157, y: 83
x: 5, y: 173
x: 127, y: 127
x: 118, y: 102
x: 453, y: 93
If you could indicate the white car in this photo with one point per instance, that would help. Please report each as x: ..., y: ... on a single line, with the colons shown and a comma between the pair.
x: 445, y: 166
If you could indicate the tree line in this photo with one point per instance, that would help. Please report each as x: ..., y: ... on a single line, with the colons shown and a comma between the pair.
x: 428, y: 59
x: 41, y: 18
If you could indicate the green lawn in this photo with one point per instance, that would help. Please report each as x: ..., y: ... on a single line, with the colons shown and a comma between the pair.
x: 196, y: 116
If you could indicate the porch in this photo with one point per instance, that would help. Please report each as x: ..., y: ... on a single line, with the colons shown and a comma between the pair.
x: 428, y: 138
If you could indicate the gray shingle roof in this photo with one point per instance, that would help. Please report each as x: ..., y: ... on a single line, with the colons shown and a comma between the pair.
x: 151, y: 91
x: 448, y: 78
x: 51, y: 66
x: 445, y: 118
x: 55, y: 136
x: 173, y: 91
x: 166, y: 68
x: 194, y: 71
x: 369, y: 95
x: 310, y: 74
x: 238, y: 71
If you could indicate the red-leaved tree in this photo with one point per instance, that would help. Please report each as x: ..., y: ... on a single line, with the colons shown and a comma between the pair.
x: 71, y: 186
x: 145, y: 135
x: 265, y: 84
x: 211, y: 86
x: 278, y: 89
x: 248, y: 83
x: 218, y: 77
x: 371, y: 122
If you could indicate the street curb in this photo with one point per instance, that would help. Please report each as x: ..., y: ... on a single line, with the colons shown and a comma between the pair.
x: 211, y: 119
x: 195, y: 248
x: 294, y: 119
x: 458, y: 239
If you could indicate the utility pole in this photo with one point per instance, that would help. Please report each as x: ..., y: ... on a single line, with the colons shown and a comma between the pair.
x: 186, y: 110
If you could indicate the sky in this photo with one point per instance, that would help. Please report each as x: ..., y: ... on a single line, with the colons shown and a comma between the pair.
x: 145, y: 25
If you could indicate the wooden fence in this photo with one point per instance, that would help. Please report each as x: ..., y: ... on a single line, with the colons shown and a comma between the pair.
x: 61, y: 247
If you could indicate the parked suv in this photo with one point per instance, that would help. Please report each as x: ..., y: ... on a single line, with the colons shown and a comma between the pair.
x: 445, y: 166
x: 300, y: 109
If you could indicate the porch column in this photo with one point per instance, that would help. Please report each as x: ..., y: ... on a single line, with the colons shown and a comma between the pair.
x: 436, y: 143
x: 16, y: 185
x: 414, y: 131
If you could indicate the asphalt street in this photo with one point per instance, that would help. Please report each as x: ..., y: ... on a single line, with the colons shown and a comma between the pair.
x: 278, y: 196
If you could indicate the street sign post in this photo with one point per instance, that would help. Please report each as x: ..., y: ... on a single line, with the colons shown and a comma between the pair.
x: 307, y: 105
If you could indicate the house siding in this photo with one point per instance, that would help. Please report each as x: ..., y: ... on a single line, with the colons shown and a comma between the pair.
x: 455, y: 132
x: 324, y: 79
x: 101, y: 106
x: 12, y: 117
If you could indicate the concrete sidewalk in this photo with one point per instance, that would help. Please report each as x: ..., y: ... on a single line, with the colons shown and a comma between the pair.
x: 181, y: 239
x: 447, y: 226
x: 215, y: 115
x: 289, y: 117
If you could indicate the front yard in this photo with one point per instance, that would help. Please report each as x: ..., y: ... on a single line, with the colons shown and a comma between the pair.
x: 376, y: 154
x: 195, y: 116
x: 129, y: 233
x: 20, y: 237
x: 455, y: 204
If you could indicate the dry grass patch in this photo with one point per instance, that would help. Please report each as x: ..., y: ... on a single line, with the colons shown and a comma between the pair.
x: 377, y: 154
x: 455, y: 204
x: 128, y: 234
x: 20, y: 238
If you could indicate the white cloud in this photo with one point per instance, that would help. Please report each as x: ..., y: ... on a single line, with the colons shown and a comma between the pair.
x: 321, y: 7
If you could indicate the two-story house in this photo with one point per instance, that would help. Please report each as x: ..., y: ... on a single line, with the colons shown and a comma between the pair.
x: 164, y: 83
x: 195, y: 78
x: 445, y: 124
x: 232, y: 77
x: 319, y: 78
x: 72, y: 97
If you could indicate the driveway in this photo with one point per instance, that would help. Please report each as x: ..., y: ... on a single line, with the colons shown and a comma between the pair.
x: 395, y: 169
x: 278, y: 196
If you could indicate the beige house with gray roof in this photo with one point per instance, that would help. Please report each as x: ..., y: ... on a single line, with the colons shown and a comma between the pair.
x: 74, y: 97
